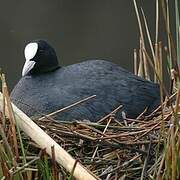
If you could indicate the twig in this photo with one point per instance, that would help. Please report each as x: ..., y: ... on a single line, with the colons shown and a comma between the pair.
x: 68, y: 107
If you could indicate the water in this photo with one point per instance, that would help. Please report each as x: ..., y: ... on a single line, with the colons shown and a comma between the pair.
x: 78, y: 30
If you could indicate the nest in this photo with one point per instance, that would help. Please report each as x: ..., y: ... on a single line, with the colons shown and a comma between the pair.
x: 112, y: 148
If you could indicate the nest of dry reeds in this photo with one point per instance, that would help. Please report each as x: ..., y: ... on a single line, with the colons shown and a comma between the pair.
x: 126, y: 148
x: 110, y: 149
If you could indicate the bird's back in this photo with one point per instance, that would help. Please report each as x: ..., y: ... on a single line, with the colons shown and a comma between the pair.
x: 111, y: 84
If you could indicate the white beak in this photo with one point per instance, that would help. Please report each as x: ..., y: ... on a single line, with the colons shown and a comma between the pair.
x: 29, y: 52
x: 27, y: 67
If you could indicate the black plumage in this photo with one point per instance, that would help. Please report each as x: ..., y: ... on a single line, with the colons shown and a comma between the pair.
x: 51, y: 87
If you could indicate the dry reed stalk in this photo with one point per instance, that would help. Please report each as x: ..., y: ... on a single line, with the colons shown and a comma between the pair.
x: 110, y: 114
x: 94, y: 154
x: 68, y: 107
x: 142, y: 46
x: 135, y: 62
x: 157, y: 21
x: 11, y: 117
x: 141, y: 62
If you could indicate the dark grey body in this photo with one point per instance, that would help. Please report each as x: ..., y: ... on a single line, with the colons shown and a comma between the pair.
x: 112, y: 84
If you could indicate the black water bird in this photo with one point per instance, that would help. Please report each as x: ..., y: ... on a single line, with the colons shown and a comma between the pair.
x: 46, y: 87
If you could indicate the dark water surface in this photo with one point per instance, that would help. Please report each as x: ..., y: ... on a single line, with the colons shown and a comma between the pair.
x: 77, y: 29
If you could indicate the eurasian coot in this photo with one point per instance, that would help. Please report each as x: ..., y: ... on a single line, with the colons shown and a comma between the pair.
x: 46, y: 87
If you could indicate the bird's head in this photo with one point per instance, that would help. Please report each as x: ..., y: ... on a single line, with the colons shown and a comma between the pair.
x: 40, y: 58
